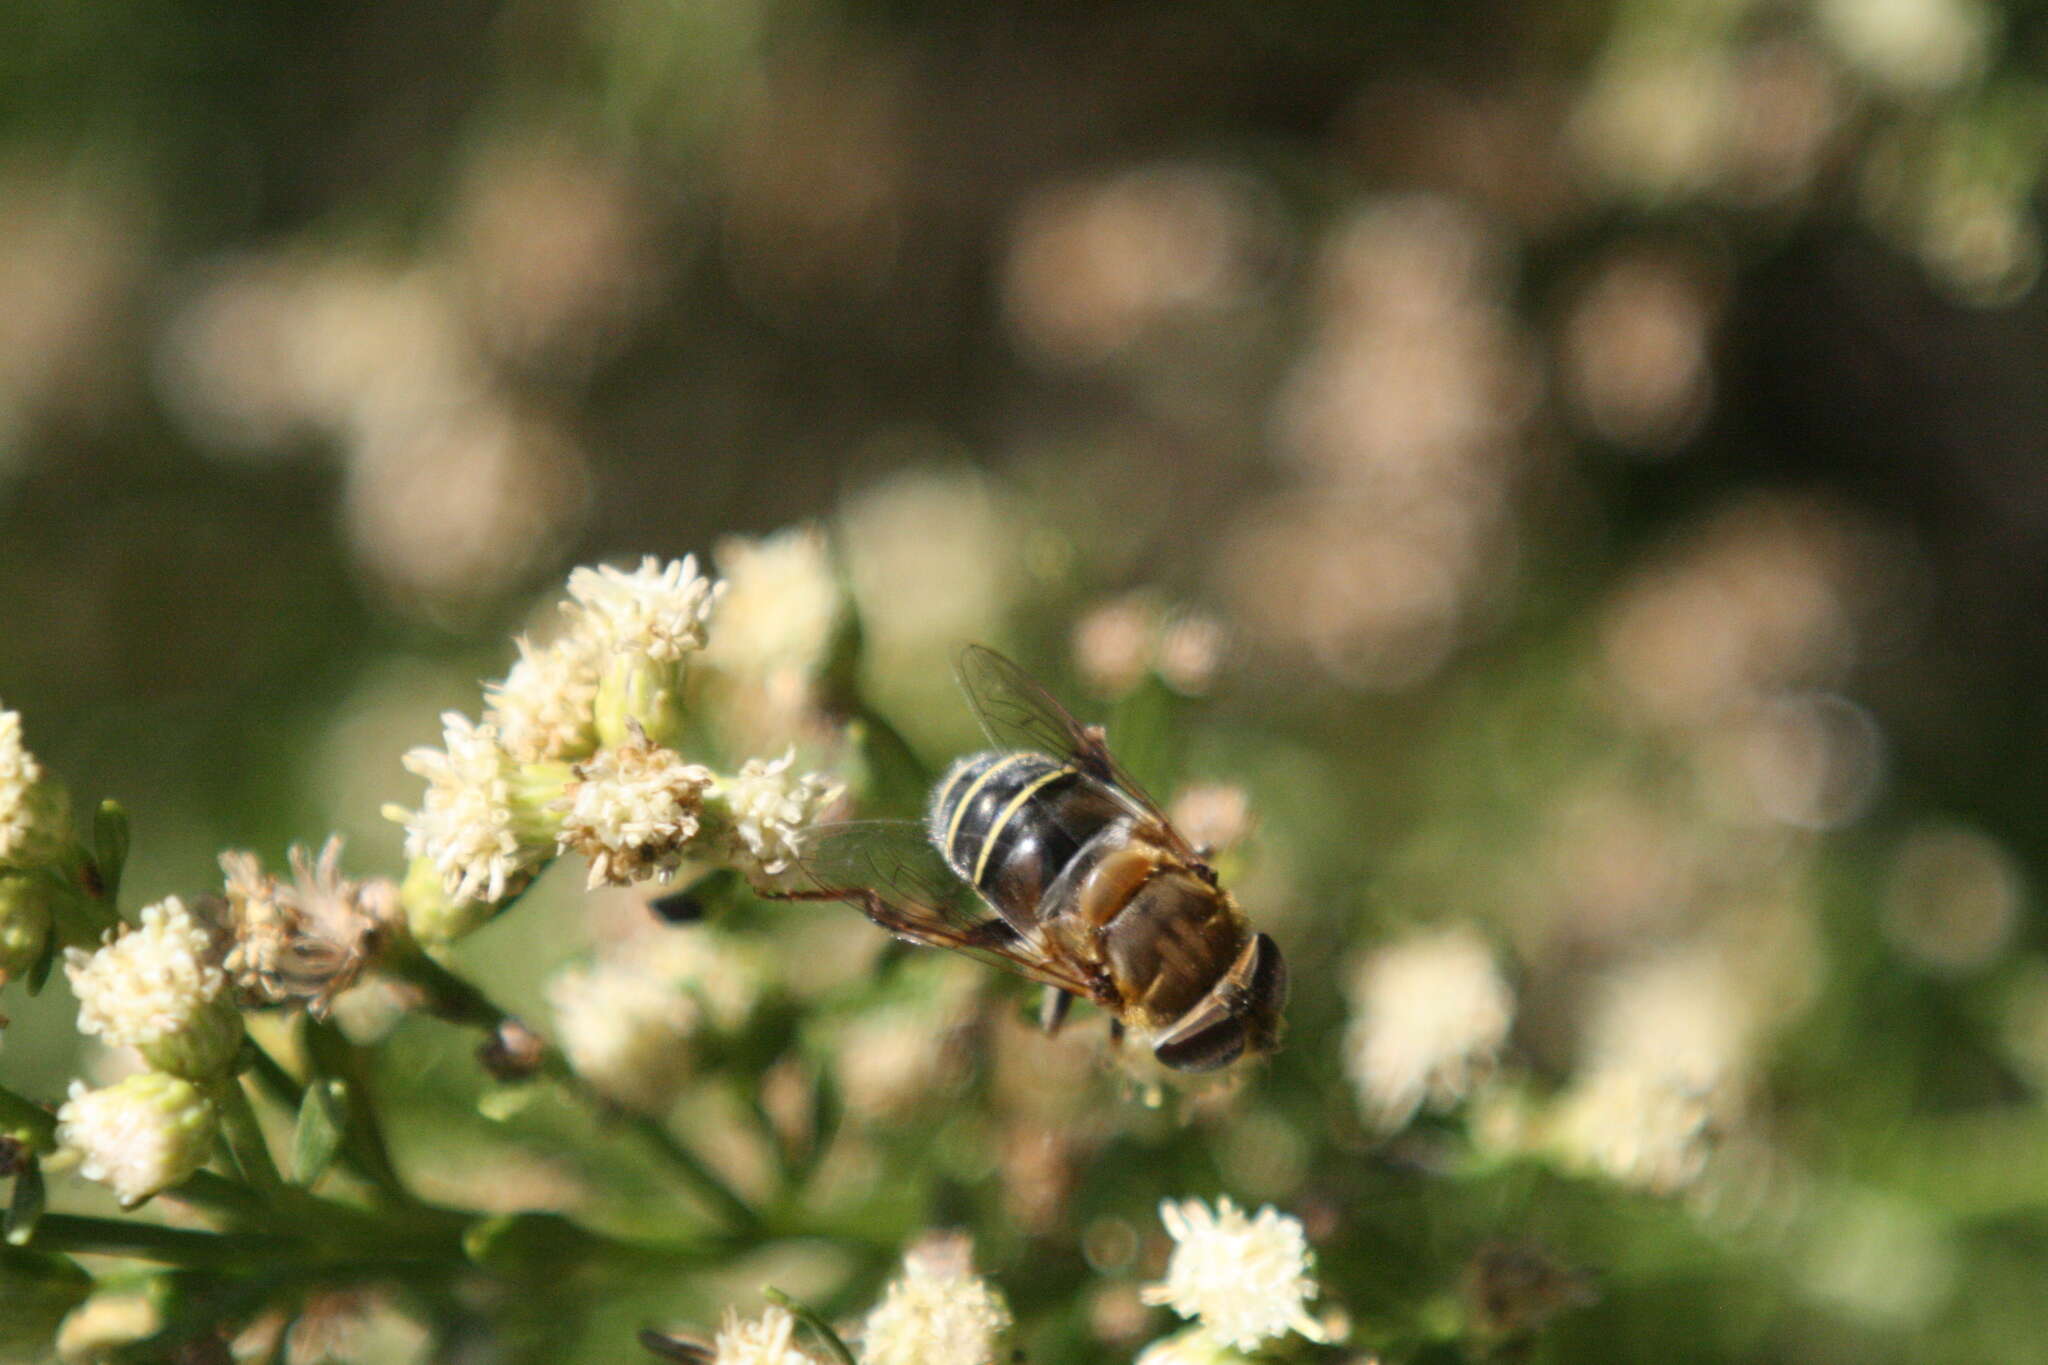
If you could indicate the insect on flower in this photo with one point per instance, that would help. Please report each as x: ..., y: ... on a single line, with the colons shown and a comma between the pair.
x: 1044, y: 855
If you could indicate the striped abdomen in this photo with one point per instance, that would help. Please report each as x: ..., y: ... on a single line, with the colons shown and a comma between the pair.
x: 1009, y: 823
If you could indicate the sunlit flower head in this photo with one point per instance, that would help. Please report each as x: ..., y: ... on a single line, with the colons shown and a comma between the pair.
x: 546, y: 706
x: 139, y: 1136
x: 1191, y: 1347
x: 938, y: 1312
x: 771, y: 806
x: 466, y: 826
x: 157, y: 986
x: 657, y: 610
x: 632, y: 810
x: 308, y: 940
x: 1245, y: 1279
x: 1637, y: 1128
x: 767, y: 1340
x: 1432, y: 1015
x: 625, y: 1031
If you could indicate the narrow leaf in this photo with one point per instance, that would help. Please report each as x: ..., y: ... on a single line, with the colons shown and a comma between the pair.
x: 25, y: 1209
x: 110, y: 846
x: 321, y: 1126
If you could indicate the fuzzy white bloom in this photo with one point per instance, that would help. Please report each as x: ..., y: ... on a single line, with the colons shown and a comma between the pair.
x: 157, y: 987
x: 31, y: 808
x: 632, y: 810
x: 547, y: 705
x: 657, y: 610
x: 782, y: 603
x: 767, y: 1340
x: 1246, y: 1280
x: 19, y: 773
x: 466, y: 826
x: 1636, y: 1127
x: 726, y: 974
x: 938, y: 1313
x: 308, y: 940
x: 771, y: 807
x: 625, y: 1031
x: 1431, y: 1016
x: 139, y: 1136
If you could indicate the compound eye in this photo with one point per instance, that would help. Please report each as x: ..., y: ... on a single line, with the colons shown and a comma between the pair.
x: 1207, y: 1040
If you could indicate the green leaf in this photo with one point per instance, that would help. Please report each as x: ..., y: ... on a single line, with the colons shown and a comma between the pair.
x: 25, y: 1209
x: 110, y: 846
x: 322, y: 1123
x: 808, y: 1316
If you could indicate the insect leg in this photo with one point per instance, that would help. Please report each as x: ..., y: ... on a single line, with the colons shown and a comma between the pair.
x: 1052, y: 1009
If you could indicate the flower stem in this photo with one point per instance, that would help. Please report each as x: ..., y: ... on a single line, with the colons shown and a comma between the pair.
x: 735, y: 1212
x: 808, y: 1316
x: 151, y: 1242
x: 244, y: 1134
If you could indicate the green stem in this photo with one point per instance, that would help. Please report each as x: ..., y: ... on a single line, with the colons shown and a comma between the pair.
x: 244, y: 1134
x: 448, y: 996
x: 364, y: 1146
x: 808, y: 1316
x: 151, y: 1242
x: 216, y: 1194
x: 735, y: 1212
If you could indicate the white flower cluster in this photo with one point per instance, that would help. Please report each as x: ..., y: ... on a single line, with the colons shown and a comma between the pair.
x: 31, y: 806
x: 1430, y: 1017
x: 157, y: 987
x: 937, y: 1313
x: 139, y: 1136
x: 1245, y: 1280
x: 767, y: 1340
x: 625, y: 1030
x: 575, y: 754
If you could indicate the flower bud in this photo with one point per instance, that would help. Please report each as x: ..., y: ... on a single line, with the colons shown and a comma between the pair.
x: 36, y: 1291
x: 641, y: 626
x: 142, y: 1135
x: 158, y: 987
x: 432, y: 914
x: 25, y: 921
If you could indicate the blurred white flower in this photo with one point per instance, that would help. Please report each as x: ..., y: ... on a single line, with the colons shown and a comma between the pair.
x: 657, y: 610
x: 1913, y: 45
x: 1246, y: 1280
x: 625, y: 1031
x: 1636, y: 1127
x: 139, y: 1136
x: 938, y: 1312
x: 466, y: 826
x: 767, y: 1340
x: 726, y: 974
x: 781, y: 605
x: 156, y: 986
x: 546, y: 706
x: 771, y: 807
x: 1431, y: 1017
x: 632, y: 810
x: 1192, y: 1347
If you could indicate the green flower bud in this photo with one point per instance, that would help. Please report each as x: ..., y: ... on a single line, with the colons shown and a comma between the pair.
x: 25, y: 921
x: 636, y: 690
x: 203, y: 1046
x: 433, y: 915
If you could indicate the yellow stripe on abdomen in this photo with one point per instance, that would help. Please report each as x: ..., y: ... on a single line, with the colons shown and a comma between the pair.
x: 967, y: 797
x: 995, y: 831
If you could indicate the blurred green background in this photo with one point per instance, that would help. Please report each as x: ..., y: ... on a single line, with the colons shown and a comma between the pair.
x: 1608, y: 438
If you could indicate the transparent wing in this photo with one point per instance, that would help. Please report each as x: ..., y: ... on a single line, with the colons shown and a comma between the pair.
x: 1017, y: 713
x: 888, y: 870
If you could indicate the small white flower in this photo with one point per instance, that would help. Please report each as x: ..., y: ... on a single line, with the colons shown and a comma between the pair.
x: 32, y: 809
x: 157, y: 987
x: 1246, y: 1280
x: 938, y: 1313
x: 142, y: 1135
x: 781, y: 606
x: 625, y: 1031
x: 632, y: 811
x: 657, y: 610
x: 1192, y: 1347
x: 725, y: 974
x: 466, y: 826
x: 1432, y: 1015
x: 767, y: 1340
x: 1639, y: 1128
x: 771, y: 808
x: 547, y: 705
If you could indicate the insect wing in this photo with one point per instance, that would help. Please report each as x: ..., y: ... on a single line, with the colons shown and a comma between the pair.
x: 888, y: 870
x: 1017, y: 713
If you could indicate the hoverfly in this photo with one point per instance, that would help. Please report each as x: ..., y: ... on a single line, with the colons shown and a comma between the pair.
x: 1044, y: 855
